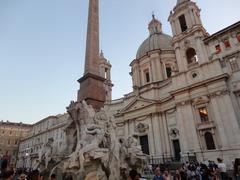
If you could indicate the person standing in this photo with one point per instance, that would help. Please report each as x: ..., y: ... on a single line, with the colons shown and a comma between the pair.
x: 133, y: 175
x: 158, y: 174
x: 222, y: 169
x: 167, y: 175
x: 53, y: 177
x: 237, y: 168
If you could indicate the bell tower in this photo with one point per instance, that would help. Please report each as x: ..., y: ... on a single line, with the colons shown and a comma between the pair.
x: 188, y: 34
x: 92, y: 83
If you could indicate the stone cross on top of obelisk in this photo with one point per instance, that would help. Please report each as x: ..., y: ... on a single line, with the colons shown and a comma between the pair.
x: 92, y: 84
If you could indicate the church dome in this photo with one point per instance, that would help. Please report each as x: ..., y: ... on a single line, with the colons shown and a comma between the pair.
x: 156, y: 40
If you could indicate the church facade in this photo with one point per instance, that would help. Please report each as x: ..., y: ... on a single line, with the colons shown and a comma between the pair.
x: 185, y: 103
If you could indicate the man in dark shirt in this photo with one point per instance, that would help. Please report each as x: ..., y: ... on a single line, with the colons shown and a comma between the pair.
x: 133, y: 175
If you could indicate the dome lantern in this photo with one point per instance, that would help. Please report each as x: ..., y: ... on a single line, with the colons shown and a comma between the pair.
x: 156, y: 40
x: 154, y: 26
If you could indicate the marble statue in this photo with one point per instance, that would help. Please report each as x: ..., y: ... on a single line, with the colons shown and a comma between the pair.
x: 93, y: 149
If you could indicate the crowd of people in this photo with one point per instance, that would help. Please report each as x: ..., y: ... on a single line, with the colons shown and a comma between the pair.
x: 199, y: 171
x: 187, y: 171
x: 20, y: 174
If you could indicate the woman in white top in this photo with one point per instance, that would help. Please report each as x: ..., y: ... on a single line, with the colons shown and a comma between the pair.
x: 222, y: 169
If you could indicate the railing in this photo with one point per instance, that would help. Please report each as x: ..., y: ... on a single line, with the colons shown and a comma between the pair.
x: 162, y: 160
x: 169, y: 162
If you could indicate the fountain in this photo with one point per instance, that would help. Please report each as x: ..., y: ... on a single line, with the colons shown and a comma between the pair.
x: 96, y: 152
x: 93, y: 149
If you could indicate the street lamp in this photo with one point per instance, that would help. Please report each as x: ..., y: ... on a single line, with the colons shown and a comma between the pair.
x: 26, y: 155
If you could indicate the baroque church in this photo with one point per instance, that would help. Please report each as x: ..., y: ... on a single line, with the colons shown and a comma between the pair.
x: 185, y: 102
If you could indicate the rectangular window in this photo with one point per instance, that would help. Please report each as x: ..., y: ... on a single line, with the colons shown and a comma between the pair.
x: 147, y: 76
x: 183, y: 23
x: 169, y: 72
x: 218, y: 49
x: 233, y: 63
x: 203, y: 113
x: 105, y: 73
x: 238, y: 37
x: 227, y: 43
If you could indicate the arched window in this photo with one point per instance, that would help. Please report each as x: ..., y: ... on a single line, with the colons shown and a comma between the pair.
x: 191, y: 56
x: 209, y: 141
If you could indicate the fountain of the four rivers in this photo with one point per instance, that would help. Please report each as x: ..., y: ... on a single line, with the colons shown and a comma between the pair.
x: 93, y: 149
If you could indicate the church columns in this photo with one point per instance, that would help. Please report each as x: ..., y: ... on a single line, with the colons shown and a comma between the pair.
x: 135, y: 77
x: 161, y: 137
x: 161, y: 140
x: 159, y: 70
x: 182, y: 129
x: 193, y: 140
x: 219, y: 121
x: 231, y: 120
x: 131, y: 127
x: 166, y: 136
x: 192, y: 17
x: 200, y: 51
x: 152, y: 70
x: 157, y: 136
x: 182, y: 64
x: 187, y: 128
x: 126, y: 130
x: 151, y: 137
x: 173, y: 27
x: 197, y: 19
x: 178, y: 27
x: 188, y: 19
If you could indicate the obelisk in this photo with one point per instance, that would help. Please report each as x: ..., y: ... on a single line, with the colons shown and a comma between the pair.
x: 92, y: 84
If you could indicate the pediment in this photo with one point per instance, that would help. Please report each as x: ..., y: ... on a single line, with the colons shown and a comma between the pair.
x: 137, y: 103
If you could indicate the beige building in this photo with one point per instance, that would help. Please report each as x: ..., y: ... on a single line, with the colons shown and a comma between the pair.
x: 47, y: 129
x: 10, y: 136
x: 185, y: 102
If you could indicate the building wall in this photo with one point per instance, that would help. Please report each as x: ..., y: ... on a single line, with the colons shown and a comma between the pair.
x: 10, y: 136
x: 33, y: 146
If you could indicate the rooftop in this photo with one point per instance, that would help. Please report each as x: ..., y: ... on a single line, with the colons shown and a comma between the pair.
x: 222, y: 32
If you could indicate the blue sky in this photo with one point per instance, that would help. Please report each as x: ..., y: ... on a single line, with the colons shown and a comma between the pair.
x: 42, y: 47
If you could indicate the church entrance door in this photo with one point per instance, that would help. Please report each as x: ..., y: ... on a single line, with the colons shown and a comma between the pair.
x: 177, y: 149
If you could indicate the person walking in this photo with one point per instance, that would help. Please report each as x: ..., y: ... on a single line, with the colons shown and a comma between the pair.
x: 222, y: 169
